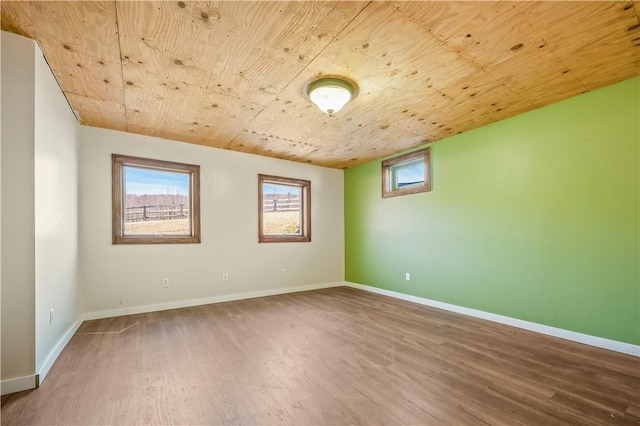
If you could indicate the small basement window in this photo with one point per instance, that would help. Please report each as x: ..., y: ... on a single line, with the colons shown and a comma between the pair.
x: 154, y: 201
x: 407, y: 174
x: 284, y: 209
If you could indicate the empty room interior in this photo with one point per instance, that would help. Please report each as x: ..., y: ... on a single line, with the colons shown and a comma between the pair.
x: 320, y: 212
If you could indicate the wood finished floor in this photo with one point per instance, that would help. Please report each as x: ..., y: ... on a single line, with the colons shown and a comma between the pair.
x: 334, y: 356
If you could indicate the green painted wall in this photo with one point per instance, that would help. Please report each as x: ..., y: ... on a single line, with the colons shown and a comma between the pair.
x: 535, y: 217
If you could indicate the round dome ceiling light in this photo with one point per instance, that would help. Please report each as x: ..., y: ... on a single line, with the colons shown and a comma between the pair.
x: 330, y: 94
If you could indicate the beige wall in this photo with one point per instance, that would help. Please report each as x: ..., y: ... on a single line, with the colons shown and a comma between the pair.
x: 56, y: 213
x: 119, y: 276
x: 56, y: 222
x: 18, y: 231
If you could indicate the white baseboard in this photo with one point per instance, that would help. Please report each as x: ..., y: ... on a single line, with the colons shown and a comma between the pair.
x: 33, y: 381
x: 19, y: 384
x: 204, y: 301
x: 57, y: 350
x: 586, y: 339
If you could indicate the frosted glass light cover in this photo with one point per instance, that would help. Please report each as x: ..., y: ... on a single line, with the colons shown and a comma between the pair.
x: 330, y: 99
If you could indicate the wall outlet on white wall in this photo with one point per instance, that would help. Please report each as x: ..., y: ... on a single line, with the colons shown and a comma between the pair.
x: 165, y: 282
x: 225, y: 276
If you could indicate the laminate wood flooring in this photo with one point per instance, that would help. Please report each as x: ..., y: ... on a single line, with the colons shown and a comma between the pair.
x: 333, y: 356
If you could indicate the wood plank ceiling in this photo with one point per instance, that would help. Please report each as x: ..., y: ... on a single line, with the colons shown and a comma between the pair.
x: 233, y: 74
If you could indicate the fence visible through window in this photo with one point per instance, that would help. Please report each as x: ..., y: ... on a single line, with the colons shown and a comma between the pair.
x: 281, y: 203
x: 155, y: 201
x: 281, y: 210
x: 165, y: 212
x: 284, y: 209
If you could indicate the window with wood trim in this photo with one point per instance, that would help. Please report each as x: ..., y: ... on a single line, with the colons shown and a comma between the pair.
x: 154, y: 201
x: 284, y: 209
x: 407, y: 174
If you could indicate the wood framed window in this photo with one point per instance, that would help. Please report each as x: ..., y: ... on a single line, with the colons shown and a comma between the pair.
x: 284, y: 209
x: 154, y: 201
x: 407, y: 174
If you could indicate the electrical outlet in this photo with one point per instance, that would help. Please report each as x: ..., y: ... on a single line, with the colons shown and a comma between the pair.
x: 407, y: 276
x: 165, y: 282
x: 225, y: 276
x: 283, y: 272
x: 51, y: 316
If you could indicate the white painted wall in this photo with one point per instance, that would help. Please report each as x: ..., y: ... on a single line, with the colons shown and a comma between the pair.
x: 39, y: 224
x: 17, y: 192
x: 56, y: 214
x: 52, y: 233
x: 119, y: 276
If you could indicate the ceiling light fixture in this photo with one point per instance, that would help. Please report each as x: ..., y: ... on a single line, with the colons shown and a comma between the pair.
x: 330, y: 94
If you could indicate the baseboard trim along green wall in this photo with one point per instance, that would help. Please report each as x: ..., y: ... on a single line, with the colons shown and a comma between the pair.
x: 534, y: 218
x: 586, y: 339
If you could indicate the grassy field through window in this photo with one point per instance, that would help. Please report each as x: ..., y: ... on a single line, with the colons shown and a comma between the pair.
x: 279, y: 223
x: 158, y: 227
x: 284, y: 214
x: 154, y: 201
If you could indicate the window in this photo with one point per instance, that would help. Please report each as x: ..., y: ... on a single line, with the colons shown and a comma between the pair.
x: 155, y: 202
x: 284, y: 209
x: 407, y: 174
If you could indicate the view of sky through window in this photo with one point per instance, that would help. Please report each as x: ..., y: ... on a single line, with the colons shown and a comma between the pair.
x: 156, y: 202
x: 281, y: 207
x: 148, y: 181
x: 409, y: 173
